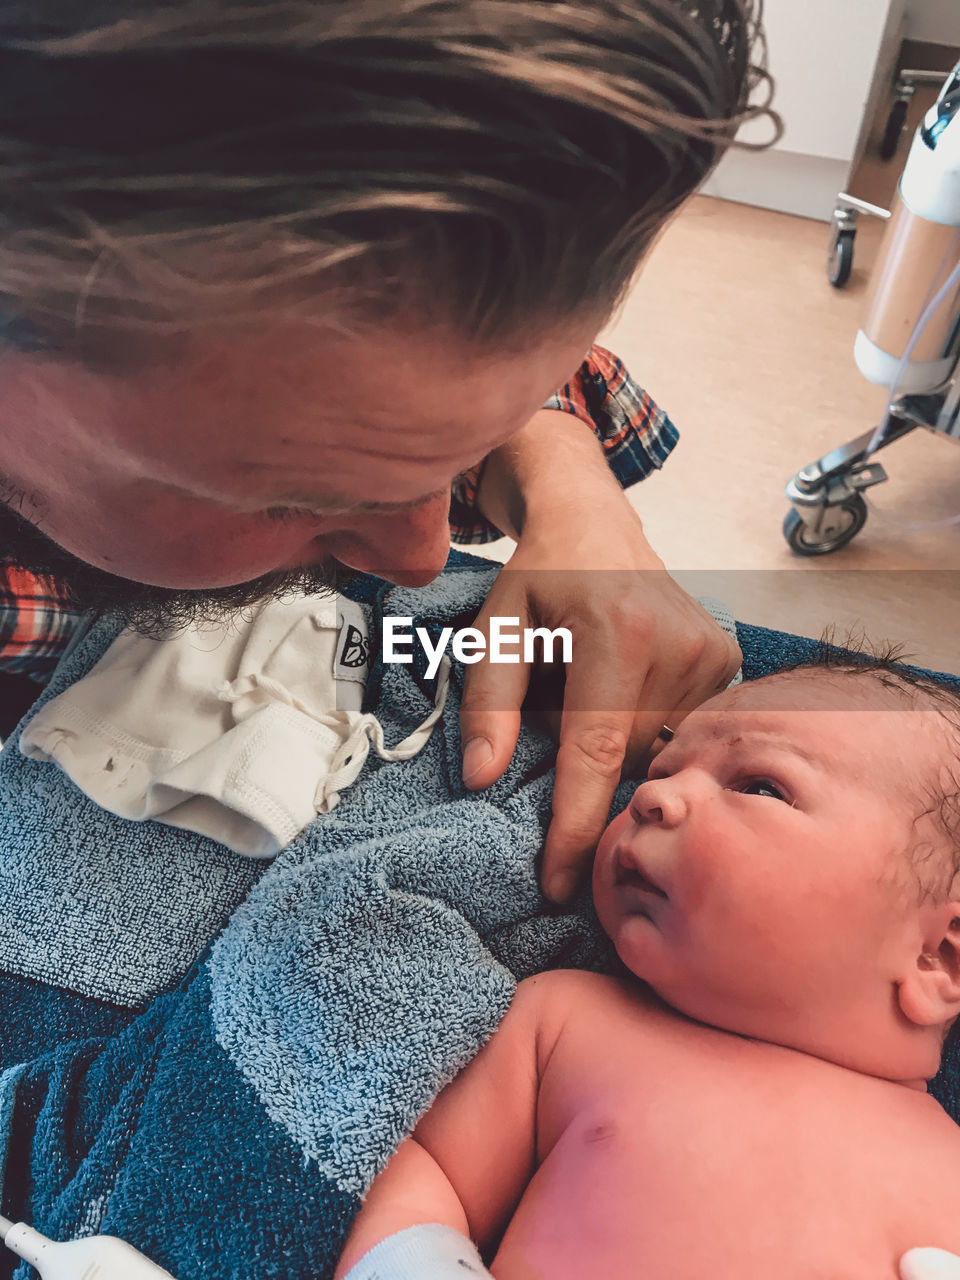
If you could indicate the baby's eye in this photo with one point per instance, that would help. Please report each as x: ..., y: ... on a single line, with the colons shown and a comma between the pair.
x: 761, y: 787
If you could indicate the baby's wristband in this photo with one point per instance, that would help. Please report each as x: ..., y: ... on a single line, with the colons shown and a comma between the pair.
x: 429, y: 1252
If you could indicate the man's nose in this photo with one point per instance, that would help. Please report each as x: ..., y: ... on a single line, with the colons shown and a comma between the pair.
x: 661, y: 801
x: 406, y: 547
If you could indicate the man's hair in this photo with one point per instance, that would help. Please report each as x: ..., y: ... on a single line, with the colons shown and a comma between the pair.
x: 493, y: 163
x: 937, y: 861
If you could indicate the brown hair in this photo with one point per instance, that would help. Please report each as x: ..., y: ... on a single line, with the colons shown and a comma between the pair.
x: 495, y: 162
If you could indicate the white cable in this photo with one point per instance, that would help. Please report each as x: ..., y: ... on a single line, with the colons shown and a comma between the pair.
x: 93, y: 1258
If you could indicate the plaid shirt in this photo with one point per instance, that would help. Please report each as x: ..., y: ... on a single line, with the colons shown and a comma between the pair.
x: 35, y: 627
x: 636, y: 436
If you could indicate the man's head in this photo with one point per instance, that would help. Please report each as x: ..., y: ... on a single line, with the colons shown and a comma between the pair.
x: 790, y: 869
x: 320, y: 255
x: 257, y: 453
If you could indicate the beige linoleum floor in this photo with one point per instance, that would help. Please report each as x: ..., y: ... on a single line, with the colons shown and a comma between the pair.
x: 734, y: 328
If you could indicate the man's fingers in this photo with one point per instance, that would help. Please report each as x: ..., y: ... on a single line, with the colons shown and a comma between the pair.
x: 589, y: 761
x: 644, y: 748
x: 595, y: 748
x: 490, y: 719
x: 653, y: 731
x: 595, y: 731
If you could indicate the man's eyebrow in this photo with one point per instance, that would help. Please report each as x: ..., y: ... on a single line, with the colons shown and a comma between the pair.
x: 311, y: 502
x: 334, y: 505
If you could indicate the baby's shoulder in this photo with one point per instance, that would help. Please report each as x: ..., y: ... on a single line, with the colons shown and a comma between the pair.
x: 571, y: 987
x: 565, y: 998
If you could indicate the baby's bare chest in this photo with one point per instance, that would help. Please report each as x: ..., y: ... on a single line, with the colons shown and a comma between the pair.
x: 683, y: 1155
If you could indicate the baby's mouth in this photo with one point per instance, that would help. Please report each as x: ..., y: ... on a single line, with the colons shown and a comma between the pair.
x: 629, y: 876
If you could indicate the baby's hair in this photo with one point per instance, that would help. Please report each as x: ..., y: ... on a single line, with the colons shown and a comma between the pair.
x: 858, y: 658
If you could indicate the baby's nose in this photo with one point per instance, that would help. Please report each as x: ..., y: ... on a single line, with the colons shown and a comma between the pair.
x: 643, y: 806
x: 657, y: 801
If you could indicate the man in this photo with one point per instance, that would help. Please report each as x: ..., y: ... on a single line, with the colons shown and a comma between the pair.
x: 273, y: 276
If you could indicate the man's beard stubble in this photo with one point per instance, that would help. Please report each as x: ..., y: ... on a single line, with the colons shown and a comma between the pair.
x: 152, y: 611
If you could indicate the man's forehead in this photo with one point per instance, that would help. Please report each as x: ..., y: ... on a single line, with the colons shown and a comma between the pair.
x: 385, y: 382
x: 438, y: 359
x: 282, y: 400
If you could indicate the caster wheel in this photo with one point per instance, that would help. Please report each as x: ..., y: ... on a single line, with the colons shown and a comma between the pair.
x: 894, y: 127
x: 839, y: 526
x: 840, y: 258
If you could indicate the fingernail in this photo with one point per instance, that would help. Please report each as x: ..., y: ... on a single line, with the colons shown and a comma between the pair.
x: 561, y: 886
x: 476, y: 755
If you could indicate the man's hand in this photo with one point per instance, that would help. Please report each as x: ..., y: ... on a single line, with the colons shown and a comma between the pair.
x: 644, y: 652
x: 929, y: 1264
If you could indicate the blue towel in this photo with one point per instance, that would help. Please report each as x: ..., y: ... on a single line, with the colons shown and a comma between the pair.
x: 211, y: 1057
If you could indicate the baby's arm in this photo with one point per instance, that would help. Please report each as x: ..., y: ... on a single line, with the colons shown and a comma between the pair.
x: 413, y: 1190
x: 474, y: 1152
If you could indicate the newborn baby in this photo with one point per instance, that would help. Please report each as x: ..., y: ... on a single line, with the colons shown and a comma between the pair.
x: 785, y: 887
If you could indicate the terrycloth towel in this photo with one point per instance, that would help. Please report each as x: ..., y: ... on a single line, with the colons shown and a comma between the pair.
x: 227, y: 1125
x: 242, y: 731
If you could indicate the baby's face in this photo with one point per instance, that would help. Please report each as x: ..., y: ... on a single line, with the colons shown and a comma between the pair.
x: 760, y: 880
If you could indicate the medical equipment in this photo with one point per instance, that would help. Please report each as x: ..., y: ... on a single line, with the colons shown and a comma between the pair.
x: 847, y: 211
x: 904, y: 89
x: 92, y: 1258
x: 845, y: 216
x: 910, y: 340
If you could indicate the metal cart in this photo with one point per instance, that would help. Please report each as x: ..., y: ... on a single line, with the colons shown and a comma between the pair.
x: 848, y: 208
x: 828, y: 508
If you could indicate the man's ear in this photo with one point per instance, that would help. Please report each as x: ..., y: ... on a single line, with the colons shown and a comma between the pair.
x: 929, y: 993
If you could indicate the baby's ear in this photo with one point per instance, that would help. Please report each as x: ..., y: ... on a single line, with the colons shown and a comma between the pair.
x: 929, y: 993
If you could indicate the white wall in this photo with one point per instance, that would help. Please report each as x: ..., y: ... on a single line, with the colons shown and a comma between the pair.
x: 824, y: 56
x: 937, y: 21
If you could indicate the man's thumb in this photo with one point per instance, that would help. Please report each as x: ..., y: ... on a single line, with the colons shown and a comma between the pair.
x: 490, y: 720
x: 489, y: 739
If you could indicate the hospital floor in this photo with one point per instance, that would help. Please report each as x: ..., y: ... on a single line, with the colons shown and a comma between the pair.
x: 735, y: 330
